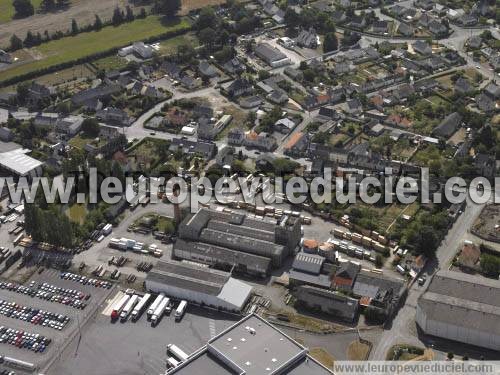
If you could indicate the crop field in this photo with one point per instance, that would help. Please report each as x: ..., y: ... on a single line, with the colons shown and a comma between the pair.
x: 7, y: 9
x: 84, y: 44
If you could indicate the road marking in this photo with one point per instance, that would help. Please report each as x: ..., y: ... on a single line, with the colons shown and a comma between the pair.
x: 211, y: 327
x: 109, y: 307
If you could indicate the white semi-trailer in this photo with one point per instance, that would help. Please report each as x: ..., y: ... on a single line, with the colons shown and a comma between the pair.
x: 181, y: 309
x: 160, y: 310
x: 175, y: 351
x: 155, y: 304
x: 139, y: 308
x: 129, y: 307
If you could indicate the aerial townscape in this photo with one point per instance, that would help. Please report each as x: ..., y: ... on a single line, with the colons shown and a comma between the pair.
x: 219, y: 271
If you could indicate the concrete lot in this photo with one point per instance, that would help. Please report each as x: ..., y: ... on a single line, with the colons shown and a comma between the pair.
x: 58, y: 337
x: 136, y: 348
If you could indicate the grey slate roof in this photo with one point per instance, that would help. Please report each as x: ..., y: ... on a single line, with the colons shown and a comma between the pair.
x: 464, y: 300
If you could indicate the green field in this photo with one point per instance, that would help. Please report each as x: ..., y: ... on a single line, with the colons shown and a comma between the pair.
x: 169, y: 46
x: 84, y: 44
x: 7, y: 10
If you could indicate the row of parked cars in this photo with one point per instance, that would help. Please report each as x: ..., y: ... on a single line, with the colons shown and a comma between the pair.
x: 22, y: 339
x: 33, y: 315
x: 66, y: 296
x: 84, y: 280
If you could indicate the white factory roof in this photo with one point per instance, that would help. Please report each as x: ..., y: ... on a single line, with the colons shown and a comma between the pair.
x: 235, y: 292
x: 18, y: 162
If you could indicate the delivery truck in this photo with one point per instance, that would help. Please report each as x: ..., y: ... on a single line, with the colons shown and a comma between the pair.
x: 154, y: 305
x: 160, y: 311
x: 127, y: 310
x: 181, y: 309
x: 118, y: 307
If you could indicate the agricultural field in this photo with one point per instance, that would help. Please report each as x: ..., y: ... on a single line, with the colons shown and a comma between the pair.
x: 84, y: 44
x: 7, y: 9
x: 110, y: 63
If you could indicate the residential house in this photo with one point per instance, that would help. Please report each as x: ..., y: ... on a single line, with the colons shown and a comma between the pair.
x: 293, y: 73
x: 38, y: 93
x: 278, y: 96
x: 234, y: 66
x: 172, y: 69
x: 357, y: 22
x: 485, y: 165
x: 45, y: 119
x: 422, y: 47
x: 403, y: 92
x: 91, y: 97
x: 339, y: 17
x: 206, y: 149
x: 485, y: 103
x: 69, y: 125
x: 115, y: 116
x: 463, y: 86
x: 474, y: 42
x: 188, y: 82
x: 468, y: 20
x: 239, y: 87
x: 262, y: 141
x: 284, y: 125
x: 297, y: 144
x: 225, y: 156
x: 492, y: 90
x: 307, y: 38
x: 405, y: 29
x: 424, y: 4
x: 448, y: 126
x: 6, y: 135
x: 380, y: 27
x: 354, y: 107
x: 207, y: 70
x: 469, y: 257
x: 209, y: 129
x: 139, y: 49
x: 250, y: 102
x: 236, y: 137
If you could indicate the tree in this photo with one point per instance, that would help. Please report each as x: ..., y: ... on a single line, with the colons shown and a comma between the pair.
x: 379, y: 261
x: 15, y: 42
x: 490, y: 264
x: 90, y: 127
x: 74, y: 27
x: 450, y: 355
x: 263, y: 74
x: 23, y: 8
x: 30, y: 40
x: 117, y: 17
x: 129, y: 14
x: 330, y: 43
x: 97, y: 22
x: 142, y: 13
x: 207, y: 18
x: 185, y: 52
x: 207, y: 37
x: 168, y: 7
x: 48, y: 5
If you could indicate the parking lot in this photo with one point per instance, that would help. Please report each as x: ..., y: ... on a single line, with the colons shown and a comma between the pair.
x: 136, y: 347
x: 32, y: 298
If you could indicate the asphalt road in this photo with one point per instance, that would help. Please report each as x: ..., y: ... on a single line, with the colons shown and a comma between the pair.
x: 403, y: 328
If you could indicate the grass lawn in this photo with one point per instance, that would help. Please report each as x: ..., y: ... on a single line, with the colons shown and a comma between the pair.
x: 169, y: 46
x: 358, y: 351
x: 84, y: 44
x: 323, y: 357
x: 6, y: 10
x: 77, y: 213
x: 110, y: 63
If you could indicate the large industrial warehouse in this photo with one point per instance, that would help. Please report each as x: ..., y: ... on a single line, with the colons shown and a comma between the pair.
x: 200, y: 285
x: 234, y: 241
x: 461, y: 307
x: 253, y: 347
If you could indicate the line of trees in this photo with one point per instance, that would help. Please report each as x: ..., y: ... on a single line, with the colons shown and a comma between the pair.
x: 32, y: 39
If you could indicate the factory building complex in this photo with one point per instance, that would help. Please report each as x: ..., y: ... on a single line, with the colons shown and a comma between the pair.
x: 235, y: 242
